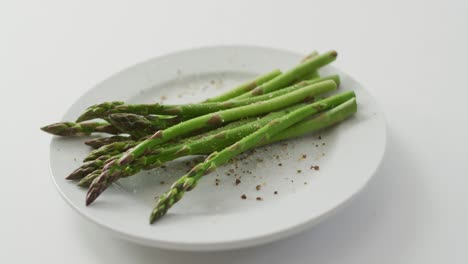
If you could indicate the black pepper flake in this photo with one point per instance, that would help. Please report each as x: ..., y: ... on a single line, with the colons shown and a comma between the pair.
x: 162, y: 182
x: 305, y: 183
x: 276, y: 192
x: 315, y: 168
x: 238, y: 181
x: 304, y: 156
x: 323, y: 144
x: 280, y: 164
x: 319, y: 137
x: 163, y: 166
x: 244, y: 197
x: 316, y: 145
x: 258, y: 187
x: 299, y: 171
x: 259, y: 198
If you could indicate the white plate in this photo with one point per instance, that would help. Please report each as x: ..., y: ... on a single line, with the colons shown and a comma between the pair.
x: 215, y: 217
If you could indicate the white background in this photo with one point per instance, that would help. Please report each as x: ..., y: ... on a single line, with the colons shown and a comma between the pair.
x: 412, y: 55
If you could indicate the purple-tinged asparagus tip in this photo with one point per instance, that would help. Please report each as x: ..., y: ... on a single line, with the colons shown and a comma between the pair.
x: 91, y: 196
x: 73, y: 176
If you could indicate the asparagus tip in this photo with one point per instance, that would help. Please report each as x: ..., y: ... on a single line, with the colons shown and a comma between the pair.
x: 91, y: 196
x: 72, y: 176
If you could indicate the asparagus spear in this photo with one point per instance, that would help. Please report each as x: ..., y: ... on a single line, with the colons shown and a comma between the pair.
x: 280, y: 81
x: 139, y: 126
x: 89, y: 167
x: 185, y: 110
x: 111, y: 149
x: 106, y: 108
x: 289, y: 89
x: 292, y: 75
x: 98, y: 110
x: 245, y: 87
x: 218, y: 118
x: 310, y: 56
x: 203, y: 145
x: 325, y: 119
x: 193, y: 110
x: 99, y: 142
x: 80, y: 129
x: 314, y: 74
x: 117, y: 147
x: 216, y: 159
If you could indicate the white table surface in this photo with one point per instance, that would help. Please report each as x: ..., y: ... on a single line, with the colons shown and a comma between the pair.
x: 412, y: 55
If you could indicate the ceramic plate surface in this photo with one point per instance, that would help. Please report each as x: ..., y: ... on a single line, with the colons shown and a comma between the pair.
x: 214, y: 217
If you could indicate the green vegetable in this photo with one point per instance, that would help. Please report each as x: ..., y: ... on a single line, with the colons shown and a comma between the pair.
x: 245, y: 87
x: 216, y: 159
x: 293, y: 75
x: 80, y: 129
x: 218, y: 118
x: 216, y: 143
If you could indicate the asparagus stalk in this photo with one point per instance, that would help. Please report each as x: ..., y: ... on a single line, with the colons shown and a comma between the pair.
x: 80, y: 129
x: 194, y: 110
x: 117, y: 147
x: 113, y: 171
x: 140, y: 126
x: 111, y: 149
x: 310, y: 56
x: 218, y: 118
x: 216, y: 159
x: 98, y: 110
x: 280, y: 81
x: 185, y: 110
x: 104, y: 109
x: 89, y: 167
x: 335, y: 78
x: 205, y: 147
x: 314, y: 74
x: 292, y: 75
x: 321, y: 121
x: 245, y: 87
x: 99, y: 142
x: 202, y: 145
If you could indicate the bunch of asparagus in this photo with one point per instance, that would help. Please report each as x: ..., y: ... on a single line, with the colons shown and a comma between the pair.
x: 273, y: 107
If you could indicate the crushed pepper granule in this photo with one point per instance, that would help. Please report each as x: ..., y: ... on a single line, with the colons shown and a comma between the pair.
x: 244, y: 197
x: 258, y: 187
x: 314, y: 167
x: 259, y: 198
